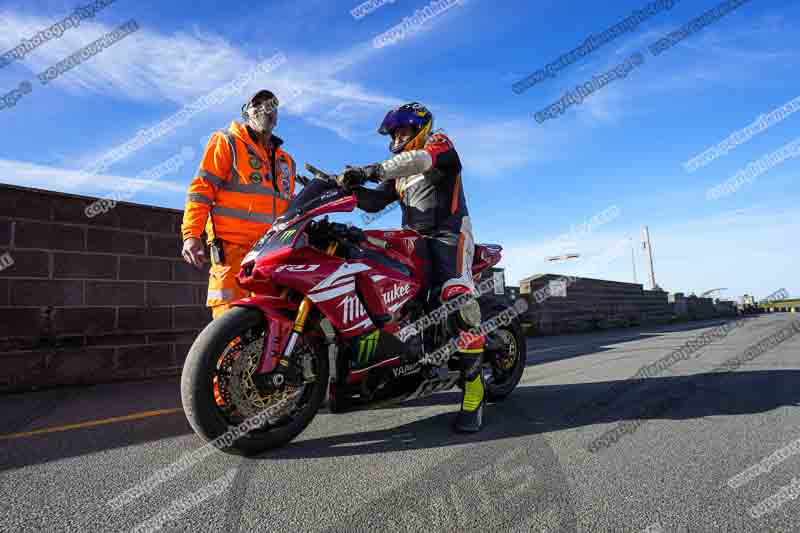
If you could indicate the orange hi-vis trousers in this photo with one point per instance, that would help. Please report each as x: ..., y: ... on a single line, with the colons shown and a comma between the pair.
x: 222, y: 286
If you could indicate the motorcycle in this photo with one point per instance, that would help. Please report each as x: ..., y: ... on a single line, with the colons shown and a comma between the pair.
x: 316, y: 329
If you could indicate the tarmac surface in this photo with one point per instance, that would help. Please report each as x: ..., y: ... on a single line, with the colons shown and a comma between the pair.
x: 565, y: 452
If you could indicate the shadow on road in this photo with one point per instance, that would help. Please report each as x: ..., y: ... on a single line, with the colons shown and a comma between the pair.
x: 556, y: 348
x: 528, y: 411
x: 542, y: 409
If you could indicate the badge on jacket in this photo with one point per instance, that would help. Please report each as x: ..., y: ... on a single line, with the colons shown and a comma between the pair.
x: 255, y: 177
x: 286, y: 175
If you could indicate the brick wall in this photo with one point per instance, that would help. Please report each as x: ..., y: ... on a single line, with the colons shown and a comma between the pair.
x: 593, y: 303
x: 91, y: 300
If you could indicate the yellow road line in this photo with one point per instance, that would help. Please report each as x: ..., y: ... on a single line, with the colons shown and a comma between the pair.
x: 92, y: 423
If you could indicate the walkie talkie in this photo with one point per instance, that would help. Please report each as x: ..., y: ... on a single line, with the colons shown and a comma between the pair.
x: 215, y: 246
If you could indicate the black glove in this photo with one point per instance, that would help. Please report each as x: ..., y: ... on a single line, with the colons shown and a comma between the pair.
x: 374, y: 172
x: 351, y: 178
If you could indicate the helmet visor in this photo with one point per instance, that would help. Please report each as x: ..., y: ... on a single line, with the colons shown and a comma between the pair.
x: 397, y: 118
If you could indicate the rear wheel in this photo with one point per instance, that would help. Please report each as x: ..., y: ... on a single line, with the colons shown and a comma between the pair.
x: 221, y: 390
x: 506, y: 363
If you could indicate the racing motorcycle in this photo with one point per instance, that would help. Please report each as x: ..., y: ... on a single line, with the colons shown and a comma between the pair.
x: 325, y: 297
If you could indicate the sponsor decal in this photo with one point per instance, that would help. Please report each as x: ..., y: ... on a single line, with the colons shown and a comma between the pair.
x: 367, y: 346
x: 296, y: 268
x: 406, y: 370
x: 351, y: 309
x: 397, y: 292
x: 287, y: 234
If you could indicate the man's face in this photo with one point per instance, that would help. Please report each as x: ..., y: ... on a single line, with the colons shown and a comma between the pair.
x: 402, y: 134
x: 263, y: 116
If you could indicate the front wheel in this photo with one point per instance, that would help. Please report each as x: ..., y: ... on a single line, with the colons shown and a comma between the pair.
x: 238, y: 410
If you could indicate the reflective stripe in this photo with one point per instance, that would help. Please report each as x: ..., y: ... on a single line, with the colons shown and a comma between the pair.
x: 241, y: 214
x: 197, y: 197
x: 249, y: 188
x: 211, y: 178
x: 226, y: 295
x: 232, y: 145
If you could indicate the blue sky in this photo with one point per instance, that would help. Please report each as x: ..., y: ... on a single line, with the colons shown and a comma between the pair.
x: 527, y: 183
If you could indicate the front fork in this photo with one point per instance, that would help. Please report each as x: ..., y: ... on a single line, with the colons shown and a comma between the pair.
x: 283, y: 365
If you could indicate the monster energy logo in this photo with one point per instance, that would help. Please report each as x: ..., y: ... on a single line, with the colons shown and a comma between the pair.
x: 288, y: 234
x: 366, y: 346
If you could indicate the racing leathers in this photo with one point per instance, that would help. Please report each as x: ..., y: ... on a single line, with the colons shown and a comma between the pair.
x: 428, y: 185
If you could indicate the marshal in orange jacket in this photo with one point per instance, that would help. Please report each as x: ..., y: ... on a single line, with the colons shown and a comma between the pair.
x: 237, y: 184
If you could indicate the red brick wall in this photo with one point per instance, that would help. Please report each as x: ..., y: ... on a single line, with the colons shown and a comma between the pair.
x: 91, y: 300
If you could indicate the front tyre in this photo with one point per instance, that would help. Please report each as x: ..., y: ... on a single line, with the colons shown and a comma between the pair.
x: 226, y: 402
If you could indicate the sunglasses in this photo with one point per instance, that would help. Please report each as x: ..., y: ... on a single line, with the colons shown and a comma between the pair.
x: 265, y: 108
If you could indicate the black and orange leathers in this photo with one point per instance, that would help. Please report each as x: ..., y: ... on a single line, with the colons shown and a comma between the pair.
x: 244, y: 187
x: 433, y: 203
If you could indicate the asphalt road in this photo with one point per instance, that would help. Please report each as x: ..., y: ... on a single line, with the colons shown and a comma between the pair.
x: 681, y: 436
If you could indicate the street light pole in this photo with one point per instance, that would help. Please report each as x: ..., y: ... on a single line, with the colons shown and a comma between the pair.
x: 647, y: 246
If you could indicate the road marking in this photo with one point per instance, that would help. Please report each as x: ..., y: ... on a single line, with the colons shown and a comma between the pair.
x: 92, y: 423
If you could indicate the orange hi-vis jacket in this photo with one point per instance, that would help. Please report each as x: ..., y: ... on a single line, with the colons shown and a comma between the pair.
x: 237, y: 184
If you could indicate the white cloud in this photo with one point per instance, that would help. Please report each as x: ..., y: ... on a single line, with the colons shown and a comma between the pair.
x: 71, y: 181
x: 180, y: 67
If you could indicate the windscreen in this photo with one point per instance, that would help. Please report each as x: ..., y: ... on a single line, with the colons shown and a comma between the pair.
x: 316, y: 193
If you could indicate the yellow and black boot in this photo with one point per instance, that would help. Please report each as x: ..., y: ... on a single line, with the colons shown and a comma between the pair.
x: 470, y: 417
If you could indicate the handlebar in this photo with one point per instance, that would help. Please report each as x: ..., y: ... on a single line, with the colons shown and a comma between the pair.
x: 324, y: 176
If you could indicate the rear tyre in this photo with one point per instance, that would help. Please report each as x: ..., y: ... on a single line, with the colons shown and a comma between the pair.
x: 213, y: 413
x: 509, y: 364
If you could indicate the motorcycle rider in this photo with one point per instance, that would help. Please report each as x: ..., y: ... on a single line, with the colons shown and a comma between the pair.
x: 424, y: 175
x: 245, y: 181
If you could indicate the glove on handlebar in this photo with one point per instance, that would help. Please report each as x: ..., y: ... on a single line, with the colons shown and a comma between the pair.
x: 353, y: 176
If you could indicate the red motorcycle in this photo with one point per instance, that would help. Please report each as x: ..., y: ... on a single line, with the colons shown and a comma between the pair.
x: 325, y: 296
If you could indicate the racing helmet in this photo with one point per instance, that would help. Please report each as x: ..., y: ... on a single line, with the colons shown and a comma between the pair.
x: 412, y: 114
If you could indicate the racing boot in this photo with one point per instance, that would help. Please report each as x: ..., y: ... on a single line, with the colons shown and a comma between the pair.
x: 470, y: 417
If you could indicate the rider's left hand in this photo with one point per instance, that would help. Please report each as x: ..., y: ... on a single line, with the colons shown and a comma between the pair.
x: 351, y: 177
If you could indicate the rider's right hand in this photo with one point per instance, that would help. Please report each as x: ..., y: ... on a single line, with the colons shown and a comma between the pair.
x: 194, y: 252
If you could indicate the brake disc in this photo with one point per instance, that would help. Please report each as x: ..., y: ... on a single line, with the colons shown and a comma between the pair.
x: 246, y: 396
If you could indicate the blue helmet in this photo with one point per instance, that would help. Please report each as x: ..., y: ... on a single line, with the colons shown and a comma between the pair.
x: 413, y: 114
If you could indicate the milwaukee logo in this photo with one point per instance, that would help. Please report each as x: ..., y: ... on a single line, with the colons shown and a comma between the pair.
x: 397, y: 292
x: 406, y: 370
x: 351, y: 309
